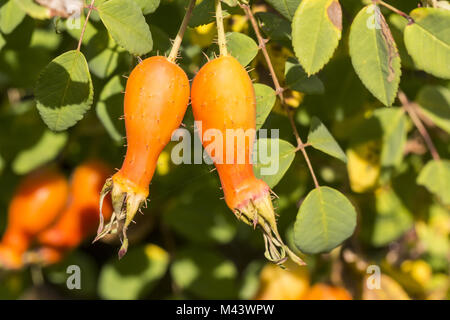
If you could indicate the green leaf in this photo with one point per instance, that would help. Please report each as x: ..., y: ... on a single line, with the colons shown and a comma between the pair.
x: 57, y: 274
x: 103, y: 54
x: 21, y: 121
x: 64, y: 91
x: 45, y: 39
x: 285, y: 7
x: 239, y: 45
x: 435, y: 242
x: 297, y: 79
x: 387, y: 129
x: 33, y: 9
x: 326, y: 219
x: 393, y: 128
x: 126, y: 24
x: 316, y: 31
x: 265, y: 100
x: 11, y: 15
x: 186, y: 216
x: 272, y: 158
x: 275, y: 27
x: 374, y: 54
x: 110, y: 108
x: 204, y: 273
x: 148, y: 6
x: 250, y: 280
x: 391, y: 218
x: 204, y: 13
x: 242, y: 47
x: 434, y: 102
x: 435, y: 176
x: 398, y: 25
x: 135, y: 275
x: 428, y: 40
x: 104, y: 64
x: 45, y: 150
x: 321, y: 139
x: 162, y: 44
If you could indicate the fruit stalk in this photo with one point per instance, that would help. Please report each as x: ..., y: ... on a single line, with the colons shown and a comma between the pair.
x: 179, y: 38
x: 220, y: 29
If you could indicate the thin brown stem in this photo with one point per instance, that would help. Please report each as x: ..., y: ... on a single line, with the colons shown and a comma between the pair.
x: 302, y: 146
x: 279, y: 90
x: 220, y: 30
x: 86, y: 6
x: 397, y: 11
x: 179, y: 38
x: 410, y: 108
x: 91, y: 7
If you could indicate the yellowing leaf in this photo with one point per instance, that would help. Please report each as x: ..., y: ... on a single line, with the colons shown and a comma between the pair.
x: 316, y: 31
x: 389, y: 289
x: 283, y: 284
x: 363, y: 165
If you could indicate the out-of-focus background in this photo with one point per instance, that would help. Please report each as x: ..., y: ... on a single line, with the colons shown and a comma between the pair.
x: 187, y: 243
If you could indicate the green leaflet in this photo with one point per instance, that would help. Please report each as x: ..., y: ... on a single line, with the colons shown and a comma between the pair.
x: 46, y: 149
x: 285, y: 7
x: 11, y: 15
x: 321, y: 139
x: 110, y: 108
x: 428, y: 41
x: 391, y: 218
x: 136, y: 275
x: 103, y: 53
x: 33, y: 9
x: 435, y: 176
x: 275, y: 27
x: 203, y: 13
x: 239, y: 45
x: 374, y: 54
x: 297, y: 79
x: 326, y: 218
x: 265, y: 100
x: 64, y: 91
x: 273, y: 159
x: 434, y: 102
x: 398, y: 25
x: 393, y: 127
x: 201, y: 271
x: 316, y: 31
x: 126, y: 24
x: 148, y: 6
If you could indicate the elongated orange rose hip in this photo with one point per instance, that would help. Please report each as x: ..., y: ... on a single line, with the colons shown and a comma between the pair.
x: 36, y: 204
x: 223, y: 99
x: 80, y: 218
x: 156, y: 99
